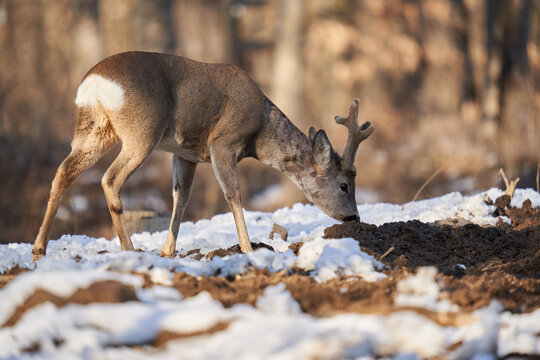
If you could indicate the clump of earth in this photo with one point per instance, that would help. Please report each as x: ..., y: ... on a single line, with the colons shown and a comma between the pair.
x: 455, y: 250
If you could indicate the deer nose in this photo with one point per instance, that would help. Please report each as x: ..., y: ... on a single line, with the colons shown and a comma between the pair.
x: 351, y: 218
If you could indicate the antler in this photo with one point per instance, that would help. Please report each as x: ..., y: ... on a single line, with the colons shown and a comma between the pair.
x: 357, y: 134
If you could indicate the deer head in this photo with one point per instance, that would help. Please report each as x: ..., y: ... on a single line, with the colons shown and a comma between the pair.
x: 332, y: 185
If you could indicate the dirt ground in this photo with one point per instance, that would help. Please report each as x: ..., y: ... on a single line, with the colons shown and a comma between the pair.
x: 476, y: 265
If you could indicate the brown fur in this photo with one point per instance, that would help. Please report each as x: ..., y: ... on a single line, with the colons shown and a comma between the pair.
x: 201, y: 113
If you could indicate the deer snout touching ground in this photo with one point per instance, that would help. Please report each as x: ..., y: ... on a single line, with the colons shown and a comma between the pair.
x: 212, y: 113
x: 351, y: 218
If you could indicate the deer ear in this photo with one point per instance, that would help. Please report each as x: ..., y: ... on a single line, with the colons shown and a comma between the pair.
x: 322, y: 149
x: 312, y: 132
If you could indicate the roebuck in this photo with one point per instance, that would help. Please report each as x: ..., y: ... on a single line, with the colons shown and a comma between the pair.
x: 201, y: 113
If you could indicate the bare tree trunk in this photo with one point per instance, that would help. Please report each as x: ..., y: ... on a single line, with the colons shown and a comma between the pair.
x: 287, y: 83
x: 153, y: 24
x: 519, y: 115
x: 203, y: 29
x: 86, y: 41
x: 491, y: 106
x: 115, y: 22
x: 463, y: 37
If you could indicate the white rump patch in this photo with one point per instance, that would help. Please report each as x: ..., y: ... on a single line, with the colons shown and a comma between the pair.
x: 96, y: 89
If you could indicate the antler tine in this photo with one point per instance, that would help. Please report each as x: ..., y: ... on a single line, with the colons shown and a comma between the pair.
x: 357, y: 134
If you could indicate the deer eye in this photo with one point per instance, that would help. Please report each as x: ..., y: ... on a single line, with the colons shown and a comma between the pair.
x: 344, y: 187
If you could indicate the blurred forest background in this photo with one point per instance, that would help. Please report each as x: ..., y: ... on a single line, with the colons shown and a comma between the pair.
x: 452, y: 87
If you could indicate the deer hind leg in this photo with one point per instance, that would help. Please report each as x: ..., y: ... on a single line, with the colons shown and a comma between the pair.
x: 83, y: 155
x: 225, y: 166
x: 129, y: 159
x: 183, y: 172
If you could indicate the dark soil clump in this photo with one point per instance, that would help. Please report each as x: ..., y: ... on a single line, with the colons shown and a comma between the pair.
x: 478, y: 264
x: 457, y: 251
x: 295, y: 247
x: 521, y: 218
x: 322, y: 299
x: 236, y: 250
x: 475, y: 291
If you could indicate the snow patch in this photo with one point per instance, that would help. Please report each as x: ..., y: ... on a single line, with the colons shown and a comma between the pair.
x: 422, y: 290
x: 519, y: 333
x: 329, y: 258
x: 277, y: 300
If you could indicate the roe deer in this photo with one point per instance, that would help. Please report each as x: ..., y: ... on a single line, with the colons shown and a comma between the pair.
x: 201, y: 113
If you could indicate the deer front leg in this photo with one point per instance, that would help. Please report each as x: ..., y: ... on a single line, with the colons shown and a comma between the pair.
x: 224, y: 163
x: 183, y: 172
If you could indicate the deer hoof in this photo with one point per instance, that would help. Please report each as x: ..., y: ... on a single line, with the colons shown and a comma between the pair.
x: 127, y: 247
x: 38, y: 253
x: 246, y: 249
x: 167, y: 255
x: 37, y: 257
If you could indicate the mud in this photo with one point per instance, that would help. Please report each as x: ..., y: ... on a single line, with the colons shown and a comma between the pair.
x: 163, y: 337
x: 521, y: 218
x: 477, y: 264
x: 475, y: 291
x: 235, y: 249
x: 321, y: 299
x: 11, y: 274
x: 356, y: 295
x: 454, y: 250
x: 108, y: 291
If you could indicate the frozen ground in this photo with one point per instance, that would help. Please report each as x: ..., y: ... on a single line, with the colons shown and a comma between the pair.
x: 275, y: 327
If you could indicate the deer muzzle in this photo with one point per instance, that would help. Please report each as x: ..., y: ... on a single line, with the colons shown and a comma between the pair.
x: 351, y: 218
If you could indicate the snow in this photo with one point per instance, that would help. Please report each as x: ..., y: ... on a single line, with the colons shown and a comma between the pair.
x: 422, y: 290
x: 275, y: 327
x: 520, y: 333
x: 277, y: 300
x: 56, y: 282
x: 330, y: 258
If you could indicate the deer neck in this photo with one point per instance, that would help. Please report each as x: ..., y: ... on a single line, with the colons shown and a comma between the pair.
x: 284, y: 147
